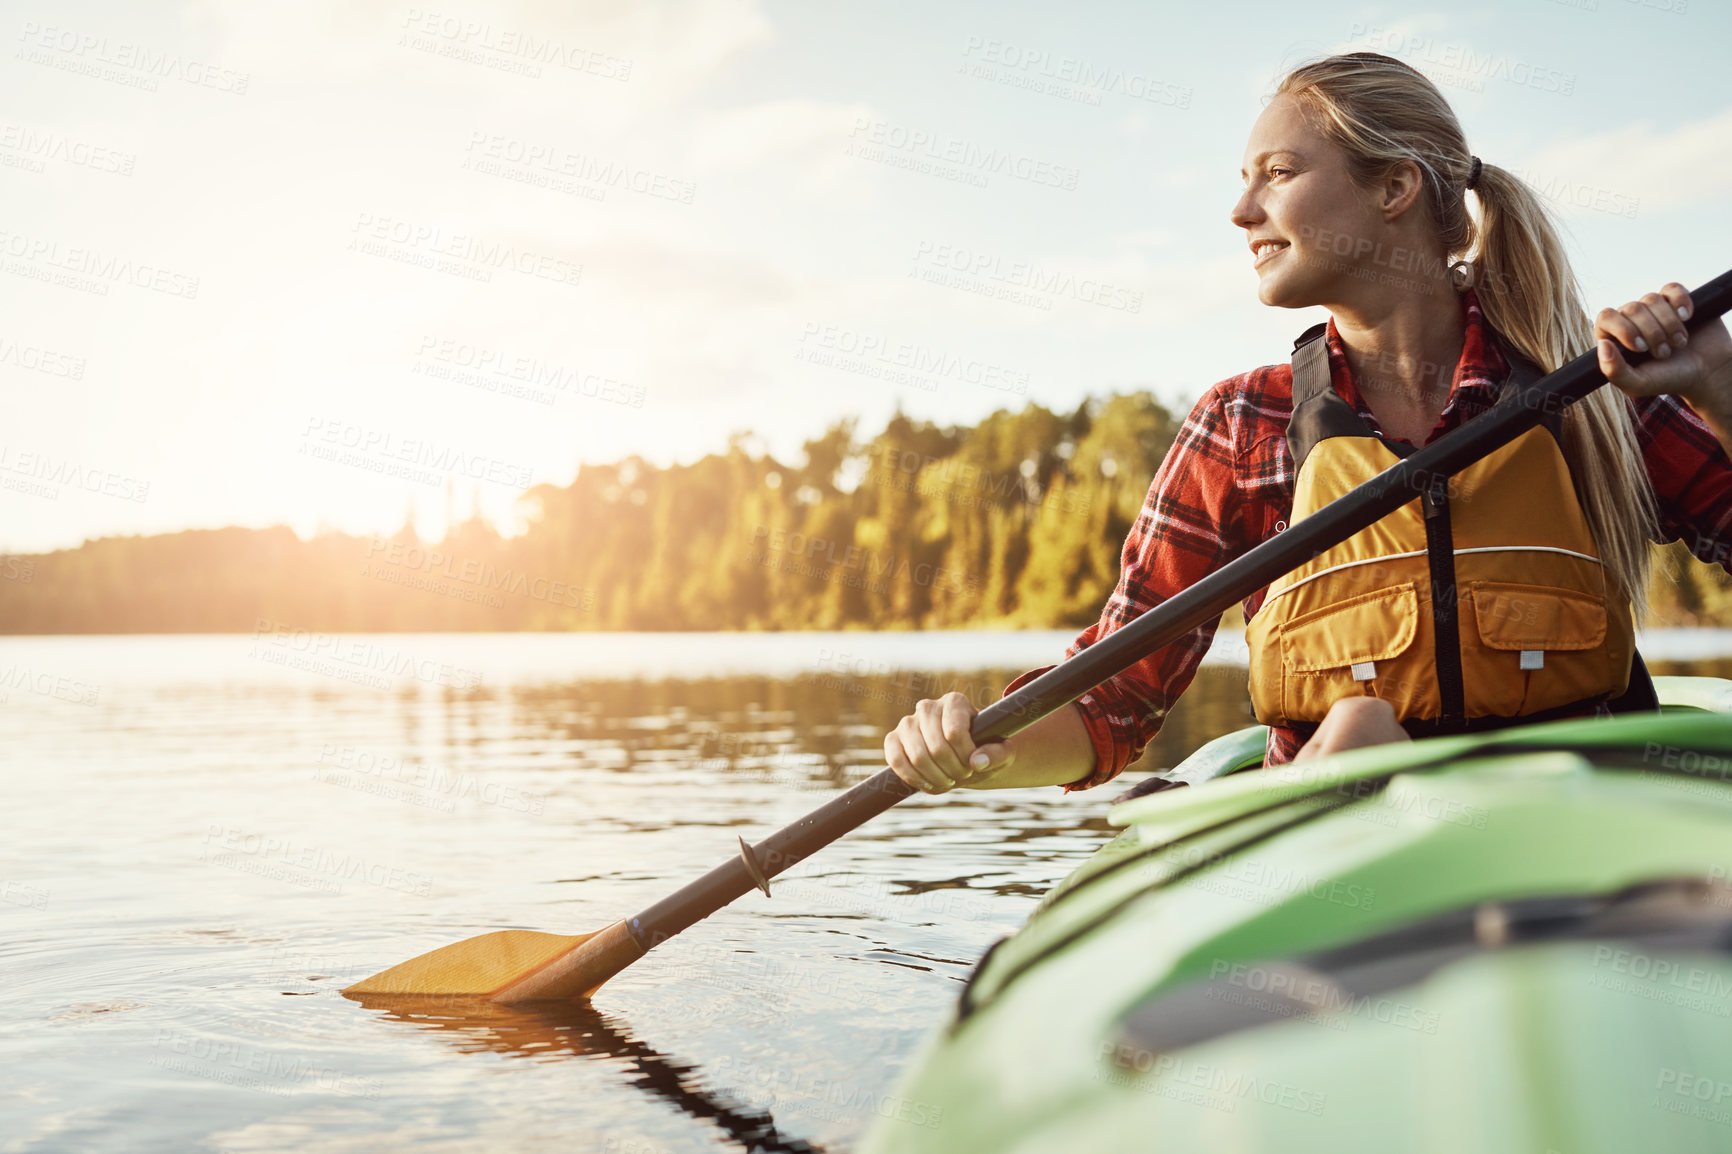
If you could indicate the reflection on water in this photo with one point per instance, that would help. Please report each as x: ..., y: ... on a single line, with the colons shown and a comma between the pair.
x: 576, y: 1028
x: 197, y: 832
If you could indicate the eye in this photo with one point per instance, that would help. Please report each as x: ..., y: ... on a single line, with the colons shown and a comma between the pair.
x: 1280, y: 170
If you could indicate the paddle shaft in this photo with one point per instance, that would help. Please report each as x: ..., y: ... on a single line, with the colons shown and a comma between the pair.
x: 1165, y: 623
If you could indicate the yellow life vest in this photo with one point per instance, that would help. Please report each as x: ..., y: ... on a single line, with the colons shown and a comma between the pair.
x: 1482, y: 598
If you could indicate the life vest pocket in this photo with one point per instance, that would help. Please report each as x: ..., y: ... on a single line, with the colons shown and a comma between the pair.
x: 1351, y: 648
x: 1540, y: 646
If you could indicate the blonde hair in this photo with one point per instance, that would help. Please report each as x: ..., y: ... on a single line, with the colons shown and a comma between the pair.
x: 1381, y: 112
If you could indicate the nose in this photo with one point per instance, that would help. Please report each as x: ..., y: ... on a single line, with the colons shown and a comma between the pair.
x: 1246, y: 211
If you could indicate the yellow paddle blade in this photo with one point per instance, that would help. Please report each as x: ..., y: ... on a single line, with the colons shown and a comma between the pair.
x: 479, y: 966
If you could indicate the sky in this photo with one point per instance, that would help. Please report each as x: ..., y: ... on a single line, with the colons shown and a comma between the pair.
x: 328, y: 262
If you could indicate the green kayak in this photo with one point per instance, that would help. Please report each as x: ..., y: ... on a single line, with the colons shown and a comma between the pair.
x: 1515, y: 941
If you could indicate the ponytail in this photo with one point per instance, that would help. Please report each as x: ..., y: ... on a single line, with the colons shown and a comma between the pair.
x: 1529, y: 294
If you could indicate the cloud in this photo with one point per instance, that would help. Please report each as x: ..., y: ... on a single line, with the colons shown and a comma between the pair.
x: 1685, y: 167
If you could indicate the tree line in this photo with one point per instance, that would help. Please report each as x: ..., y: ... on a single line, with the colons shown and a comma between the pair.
x: 1016, y: 522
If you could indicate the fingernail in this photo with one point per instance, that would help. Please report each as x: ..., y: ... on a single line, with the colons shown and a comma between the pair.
x: 1664, y: 350
x: 1641, y: 345
x: 1684, y: 313
x: 1682, y: 339
x: 979, y: 760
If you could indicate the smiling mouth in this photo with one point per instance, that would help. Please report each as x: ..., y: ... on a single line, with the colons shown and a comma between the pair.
x: 1265, y: 250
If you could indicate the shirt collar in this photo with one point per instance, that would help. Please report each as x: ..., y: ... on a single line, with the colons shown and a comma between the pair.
x: 1475, y: 384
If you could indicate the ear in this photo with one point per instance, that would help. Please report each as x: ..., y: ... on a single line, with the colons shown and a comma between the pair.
x: 1400, y: 190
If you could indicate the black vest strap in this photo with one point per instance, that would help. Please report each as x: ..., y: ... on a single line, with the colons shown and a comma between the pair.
x: 1319, y: 412
x: 1445, y: 626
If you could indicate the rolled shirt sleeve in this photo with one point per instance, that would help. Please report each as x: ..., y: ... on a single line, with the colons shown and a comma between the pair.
x: 1188, y: 527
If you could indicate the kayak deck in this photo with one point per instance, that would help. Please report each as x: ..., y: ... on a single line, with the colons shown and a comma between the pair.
x: 1511, y: 940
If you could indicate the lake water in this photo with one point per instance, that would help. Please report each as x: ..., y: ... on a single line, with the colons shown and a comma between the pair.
x: 207, y: 837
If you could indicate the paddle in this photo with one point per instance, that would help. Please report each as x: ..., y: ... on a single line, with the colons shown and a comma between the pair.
x: 521, y: 965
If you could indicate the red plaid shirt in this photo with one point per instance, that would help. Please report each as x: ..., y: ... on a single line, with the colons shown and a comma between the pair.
x: 1227, y: 485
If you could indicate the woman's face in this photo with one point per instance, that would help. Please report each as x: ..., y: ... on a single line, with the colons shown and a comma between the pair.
x: 1317, y: 238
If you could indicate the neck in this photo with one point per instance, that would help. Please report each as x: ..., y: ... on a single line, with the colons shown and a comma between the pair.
x: 1401, y: 345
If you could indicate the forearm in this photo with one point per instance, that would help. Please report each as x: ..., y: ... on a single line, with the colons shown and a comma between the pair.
x: 1710, y: 394
x: 1056, y: 750
x: 1713, y: 404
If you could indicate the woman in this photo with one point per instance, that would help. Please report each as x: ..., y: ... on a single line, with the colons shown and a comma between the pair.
x: 1356, y: 183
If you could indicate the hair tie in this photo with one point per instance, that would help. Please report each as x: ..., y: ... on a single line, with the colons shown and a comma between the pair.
x: 1473, y: 177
